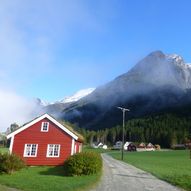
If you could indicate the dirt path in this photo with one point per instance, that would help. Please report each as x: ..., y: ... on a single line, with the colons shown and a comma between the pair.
x: 119, y: 176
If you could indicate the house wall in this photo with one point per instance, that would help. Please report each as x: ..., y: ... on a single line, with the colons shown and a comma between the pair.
x: 78, y: 147
x: 33, y: 135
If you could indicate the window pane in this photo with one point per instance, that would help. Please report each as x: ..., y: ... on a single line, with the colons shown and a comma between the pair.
x: 33, y: 150
x: 53, y: 150
x: 28, y: 150
x: 45, y: 126
x: 50, y: 151
x: 56, y: 150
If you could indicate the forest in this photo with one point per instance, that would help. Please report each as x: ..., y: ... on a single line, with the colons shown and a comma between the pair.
x: 165, y: 130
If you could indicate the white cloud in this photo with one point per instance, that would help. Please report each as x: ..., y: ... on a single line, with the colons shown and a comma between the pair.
x: 35, y: 34
x: 14, y: 108
x: 30, y: 33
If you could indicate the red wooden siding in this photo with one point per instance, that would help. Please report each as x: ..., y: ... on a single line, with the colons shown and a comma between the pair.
x: 33, y: 135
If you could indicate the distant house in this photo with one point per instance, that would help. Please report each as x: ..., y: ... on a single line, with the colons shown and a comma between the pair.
x: 104, y: 147
x: 150, y: 147
x: 179, y: 146
x: 157, y: 147
x: 129, y: 146
x: 118, y: 145
x: 44, y: 141
x: 188, y: 145
x: 141, y: 147
x: 99, y: 145
x: 144, y: 147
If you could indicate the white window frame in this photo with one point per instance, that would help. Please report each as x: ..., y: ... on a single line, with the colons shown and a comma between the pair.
x: 30, y: 150
x: 54, y: 145
x: 42, y: 126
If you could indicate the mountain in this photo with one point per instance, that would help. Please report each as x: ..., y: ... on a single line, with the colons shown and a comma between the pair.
x: 68, y: 99
x: 41, y: 103
x: 158, y: 83
x: 77, y: 96
x: 57, y: 107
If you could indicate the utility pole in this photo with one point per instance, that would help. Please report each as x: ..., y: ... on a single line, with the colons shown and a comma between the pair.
x: 123, y: 110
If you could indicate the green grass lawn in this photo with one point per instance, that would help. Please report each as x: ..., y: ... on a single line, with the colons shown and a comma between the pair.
x: 3, y: 149
x: 97, y: 150
x: 47, y: 179
x: 172, y: 166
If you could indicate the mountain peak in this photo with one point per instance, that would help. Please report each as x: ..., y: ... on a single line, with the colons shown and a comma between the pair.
x: 157, y: 53
x: 78, y: 95
x: 156, y: 70
x: 175, y: 58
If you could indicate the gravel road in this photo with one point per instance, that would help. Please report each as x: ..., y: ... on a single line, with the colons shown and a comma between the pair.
x: 119, y: 176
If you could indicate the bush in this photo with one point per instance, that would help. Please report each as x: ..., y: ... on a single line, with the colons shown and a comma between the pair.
x: 85, y: 163
x: 10, y: 163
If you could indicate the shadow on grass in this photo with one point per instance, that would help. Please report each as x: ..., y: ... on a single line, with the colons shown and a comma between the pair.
x: 53, y: 171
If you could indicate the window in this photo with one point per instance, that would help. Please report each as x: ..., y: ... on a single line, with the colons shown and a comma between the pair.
x: 53, y: 150
x: 44, y: 126
x: 30, y: 150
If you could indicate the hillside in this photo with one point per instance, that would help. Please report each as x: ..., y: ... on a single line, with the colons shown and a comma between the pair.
x: 160, y: 83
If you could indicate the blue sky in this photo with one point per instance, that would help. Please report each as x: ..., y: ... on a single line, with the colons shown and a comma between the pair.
x: 50, y: 49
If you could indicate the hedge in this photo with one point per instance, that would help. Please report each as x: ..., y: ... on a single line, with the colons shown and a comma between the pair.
x: 85, y: 163
x: 10, y: 163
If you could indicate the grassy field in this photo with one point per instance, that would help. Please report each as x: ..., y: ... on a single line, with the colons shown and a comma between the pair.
x: 3, y: 150
x: 172, y: 166
x: 47, y: 178
x: 97, y: 150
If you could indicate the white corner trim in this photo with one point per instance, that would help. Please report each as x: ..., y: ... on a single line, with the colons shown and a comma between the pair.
x: 39, y: 119
x: 11, y: 144
x: 72, y: 146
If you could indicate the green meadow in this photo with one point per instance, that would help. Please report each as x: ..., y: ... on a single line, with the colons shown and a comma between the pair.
x: 3, y: 150
x: 45, y: 178
x: 171, y: 166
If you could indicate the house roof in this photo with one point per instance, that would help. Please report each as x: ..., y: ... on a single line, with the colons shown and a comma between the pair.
x: 62, y: 127
x: 127, y: 144
x: 150, y: 145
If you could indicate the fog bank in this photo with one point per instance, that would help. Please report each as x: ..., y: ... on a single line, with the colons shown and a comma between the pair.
x: 14, y: 108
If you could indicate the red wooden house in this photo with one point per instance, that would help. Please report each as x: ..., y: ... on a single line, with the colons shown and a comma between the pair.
x: 44, y: 141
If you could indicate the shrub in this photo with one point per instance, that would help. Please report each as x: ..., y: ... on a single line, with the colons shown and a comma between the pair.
x: 10, y: 163
x: 85, y: 163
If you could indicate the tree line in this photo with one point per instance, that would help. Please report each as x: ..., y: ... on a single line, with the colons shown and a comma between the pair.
x: 165, y: 130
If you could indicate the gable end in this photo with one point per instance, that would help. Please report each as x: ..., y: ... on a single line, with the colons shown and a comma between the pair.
x: 39, y: 119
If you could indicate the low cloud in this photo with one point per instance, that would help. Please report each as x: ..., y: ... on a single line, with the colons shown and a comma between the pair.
x: 14, y: 108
